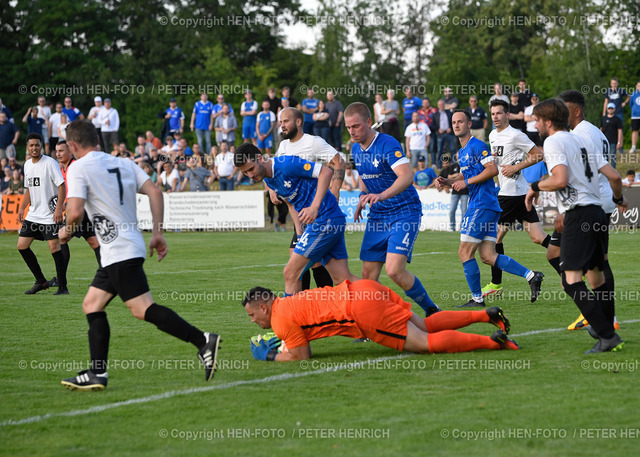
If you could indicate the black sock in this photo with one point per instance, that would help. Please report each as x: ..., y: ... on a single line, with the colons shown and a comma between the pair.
x: 590, y: 307
x: 546, y: 241
x: 99, y: 334
x: 496, y: 273
x: 64, y: 248
x: 555, y: 263
x: 168, y: 321
x: 32, y: 262
x: 61, y: 268
x: 608, y: 275
x: 306, y: 280
x: 605, y: 295
x: 322, y: 277
x: 96, y: 251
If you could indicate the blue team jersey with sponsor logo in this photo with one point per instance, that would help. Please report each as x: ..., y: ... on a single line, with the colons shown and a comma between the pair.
x: 296, y: 180
x: 375, y: 166
x: 472, y: 159
x: 250, y: 106
x: 203, y: 114
x: 176, y: 115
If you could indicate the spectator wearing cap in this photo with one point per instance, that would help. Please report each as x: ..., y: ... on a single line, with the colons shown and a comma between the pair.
x: 478, y: 118
x: 175, y: 117
x: 611, y: 126
x: 95, y: 119
x: 110, y: 124
x: 425, y: 177
x: 531, y: 130
x: 202, y: 121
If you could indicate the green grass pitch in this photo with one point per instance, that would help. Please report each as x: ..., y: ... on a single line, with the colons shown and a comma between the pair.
x: 350, y: 399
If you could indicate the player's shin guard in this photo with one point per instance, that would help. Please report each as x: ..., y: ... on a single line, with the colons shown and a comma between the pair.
x: 472, y: 273
x: 496, y: 273
x: 509, y: 265
x: 61, y: 268
x: 452, y: 341
x: 555, y: 263
x: 32, y: 262
x: 419, y: 294
x: 170, y: 322
x: 322, y: 277
x: 99, y: 334
x: 451, y: 320
x: 590, y: 308
x: 64, y: 248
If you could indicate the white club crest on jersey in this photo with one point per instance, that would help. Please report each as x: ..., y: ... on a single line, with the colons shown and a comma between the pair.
x: 376, y: 162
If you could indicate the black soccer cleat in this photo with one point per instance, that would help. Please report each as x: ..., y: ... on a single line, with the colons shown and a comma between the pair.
x: 613, y: 344
x: 504, y: 341
x: 86, y: 381
x: 472, y: 304
x: 62, y: 290
x: 431, y: 310
x: 37, y: 287
x: 208, y: 355
x: 535, y: 284
x: 53, y: 282
x: 497, y: 318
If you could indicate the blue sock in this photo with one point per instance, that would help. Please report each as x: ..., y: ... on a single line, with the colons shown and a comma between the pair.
x: 472, y: 273
x: 419, y: 295
x: 286, y: 294
x: 506, y: 263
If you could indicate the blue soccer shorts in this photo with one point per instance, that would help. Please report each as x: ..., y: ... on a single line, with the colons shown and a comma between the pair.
x: 266, y: 143
x: 395, y: 237
x: 321, y: 242
x: 248, y: 130
x: 479, y: 225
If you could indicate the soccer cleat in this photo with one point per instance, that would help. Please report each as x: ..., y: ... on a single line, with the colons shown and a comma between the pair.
x: 491, y: 289
x: 504, y: 341
x: 497, y: 318
x: 37, y: 288
x: 62, y: 290
x: 364, y: 339
x: 578, y: 324
x: 535, y: 284
x: 471, y: 304
x: 86, y: 381
x: 208, y: 355
x: 613, y: 344
x: 53, y: 282
x: 431, y: 310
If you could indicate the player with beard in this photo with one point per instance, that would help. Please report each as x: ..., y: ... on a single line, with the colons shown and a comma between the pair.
x: 600, y: 145
x: 45, y: 192
x: 513, y: 151
x: 583, y: 225
x: 316, y: 150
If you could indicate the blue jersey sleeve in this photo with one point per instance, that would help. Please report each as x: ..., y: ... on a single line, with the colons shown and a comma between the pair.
x: 393, y: 154
x: 295, y: 166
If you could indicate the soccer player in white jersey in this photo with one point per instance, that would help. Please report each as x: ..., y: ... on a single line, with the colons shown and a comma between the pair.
x: 599, y: 145
x: 513, y: 151
x: 107, y: 187
x: 573, y: 175
x: 44, y: 191
x: 312, y: 149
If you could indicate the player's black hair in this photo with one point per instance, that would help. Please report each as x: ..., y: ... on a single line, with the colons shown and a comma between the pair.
x: 467, y: 114
x: 554, y: 110
x: 257, y: 295
x: 631, y: 172
x: 573, y: 96
x: 35, y: 136
x: 522, y: 80
x: 245, y: 153
x: 61, y: 142
x: 83, y: 132
x: 498, y: 102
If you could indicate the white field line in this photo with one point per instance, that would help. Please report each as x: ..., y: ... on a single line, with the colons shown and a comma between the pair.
x: 229, y: 385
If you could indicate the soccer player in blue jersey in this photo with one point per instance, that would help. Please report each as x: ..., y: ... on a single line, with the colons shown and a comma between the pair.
x: 395, y: 210
x: 303, y: 185
x: 480, y: 224
x: 249, y: 113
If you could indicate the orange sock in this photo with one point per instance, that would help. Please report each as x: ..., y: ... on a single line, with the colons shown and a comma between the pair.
x: 452, y: 341
x: 451, y: 320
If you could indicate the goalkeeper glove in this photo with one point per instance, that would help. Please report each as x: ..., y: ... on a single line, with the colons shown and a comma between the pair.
x: 261, y: 351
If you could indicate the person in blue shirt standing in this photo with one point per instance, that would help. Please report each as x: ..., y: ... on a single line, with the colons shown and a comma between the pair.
x: 479, y: 229
x: 202, y: 121
x: 71, y: 111
x: 303, y: 185
x: 395, y: 210
x: 635, y: 117
x: 424, y: 177
x: 410, y: 105
x: 34, y: 123
x: 175, y: 116
x: 249, y: 113
x: 309, y: 107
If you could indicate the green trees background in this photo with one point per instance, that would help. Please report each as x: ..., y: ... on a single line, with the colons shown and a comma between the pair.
x: 359, y: 46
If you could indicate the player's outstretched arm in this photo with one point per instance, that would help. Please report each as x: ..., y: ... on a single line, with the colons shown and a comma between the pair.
x: 299, y: 353
x: 156, y: 203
